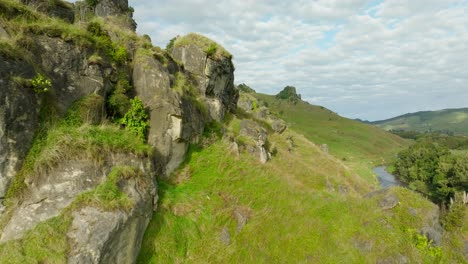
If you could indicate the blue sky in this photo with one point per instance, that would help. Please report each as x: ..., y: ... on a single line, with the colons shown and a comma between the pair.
x: 360, y: 58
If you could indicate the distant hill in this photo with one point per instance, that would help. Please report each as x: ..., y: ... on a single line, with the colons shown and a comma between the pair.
x: 360, y: 145
x: 448, y: 120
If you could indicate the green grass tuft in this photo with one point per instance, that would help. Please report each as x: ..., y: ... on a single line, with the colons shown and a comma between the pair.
x: 210, y: 47
x: 108, y: 195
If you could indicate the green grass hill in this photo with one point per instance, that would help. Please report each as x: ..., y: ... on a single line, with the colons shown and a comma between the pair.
x: 303, y: 206
x: 448, y: 121
x: 360, y: 146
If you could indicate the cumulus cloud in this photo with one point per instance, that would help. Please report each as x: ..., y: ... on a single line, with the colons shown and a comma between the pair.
x: 369, y: 59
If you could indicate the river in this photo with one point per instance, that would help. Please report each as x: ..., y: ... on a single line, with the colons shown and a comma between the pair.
x: 385, y: 179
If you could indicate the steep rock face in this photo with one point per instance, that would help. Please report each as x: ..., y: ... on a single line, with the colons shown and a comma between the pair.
x: 63, y: 10
x: 72, y: 78
x: 98, y: 236
x: 18, y: 120
x: 174, y: 121
x: 106, y: 9
x: 215, y: 78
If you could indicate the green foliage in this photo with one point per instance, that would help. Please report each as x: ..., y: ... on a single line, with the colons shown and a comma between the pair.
x: 254, y: 105
x: 92, y: 3
x: 118, y: 102
x: 119, y: 54
x: 170, y: 45
x: 433, y: 170
x: 454, y: 219
x: 45, y: 243
x: 211, y: 50
x: 41, y: 84
x: 136, y: 119
x: 425, y: 245
x: 95, y: 28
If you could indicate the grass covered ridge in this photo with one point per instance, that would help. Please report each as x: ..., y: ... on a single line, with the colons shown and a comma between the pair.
x: 221, y: 208
x: 359, y: 146
x: 211, y: 48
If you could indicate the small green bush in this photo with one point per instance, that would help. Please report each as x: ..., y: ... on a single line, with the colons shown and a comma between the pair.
x: 118, y: 102
x: 119, y: 55
x: 211, y: 50
x: 425, y: 245
x: 136, y: 119
x: 92, y: 3
x: 454, y: 218
x: 41, y: 84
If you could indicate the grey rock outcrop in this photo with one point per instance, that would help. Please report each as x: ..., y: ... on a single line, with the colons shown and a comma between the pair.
x: 19, y: 109
x: 72, y: 76
x: 51, y: 192
x: 432, y: 228
x: 174, y: 121
x: 63, y: 10
x: 248, y: 103
x: 214, y: 77
x: 98, y: 236
x: 259, y: 136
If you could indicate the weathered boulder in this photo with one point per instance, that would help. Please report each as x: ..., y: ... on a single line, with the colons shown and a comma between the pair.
x: 49, y: 193
x: 98, y: 236
x: 259, y: 136
x: 215, y: 78
x: 279, y: 126
x: 386, y: 198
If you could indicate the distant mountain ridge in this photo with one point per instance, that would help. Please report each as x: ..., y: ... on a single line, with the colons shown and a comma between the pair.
x: 447, y: 120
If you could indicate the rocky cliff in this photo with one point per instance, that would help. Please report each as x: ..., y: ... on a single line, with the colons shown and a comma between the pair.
x: 79, y: 156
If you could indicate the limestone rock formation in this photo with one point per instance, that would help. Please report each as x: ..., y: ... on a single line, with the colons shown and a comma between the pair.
x: 180, y: 103
x: 214, y: 76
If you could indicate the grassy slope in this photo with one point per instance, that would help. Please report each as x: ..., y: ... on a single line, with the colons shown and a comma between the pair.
x: 454, y: 120
x: 293, y: 216
x: 361, y: 146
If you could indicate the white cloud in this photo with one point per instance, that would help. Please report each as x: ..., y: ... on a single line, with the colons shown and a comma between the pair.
x: 370, y: 59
